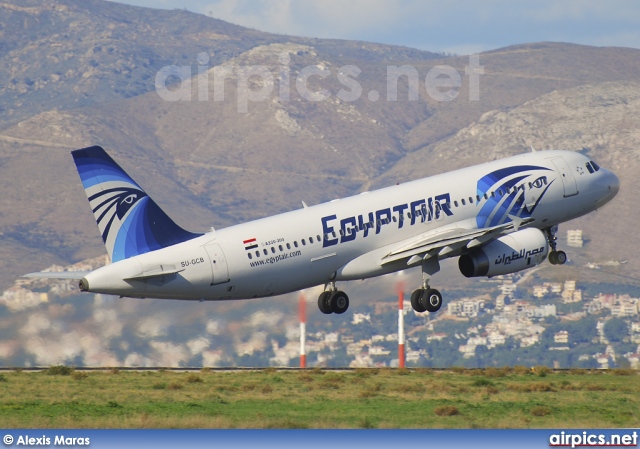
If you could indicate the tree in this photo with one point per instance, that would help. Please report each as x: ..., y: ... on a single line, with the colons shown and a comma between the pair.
x: 616, y: 329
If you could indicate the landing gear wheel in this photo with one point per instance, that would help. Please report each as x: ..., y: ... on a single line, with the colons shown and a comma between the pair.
x: 431, y: 300
x: 323, y: 303
x: 561, y: 257
x: 339, y: 302
x: 557, y: 257
x: 415, y: 301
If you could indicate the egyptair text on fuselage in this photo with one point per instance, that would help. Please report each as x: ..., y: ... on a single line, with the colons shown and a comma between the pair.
x: 346, y: 229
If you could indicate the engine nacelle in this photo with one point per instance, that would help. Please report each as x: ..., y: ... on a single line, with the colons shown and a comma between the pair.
x: 508, y: 254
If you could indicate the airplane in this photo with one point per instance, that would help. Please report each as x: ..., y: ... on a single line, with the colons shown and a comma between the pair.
x: 498, y: 218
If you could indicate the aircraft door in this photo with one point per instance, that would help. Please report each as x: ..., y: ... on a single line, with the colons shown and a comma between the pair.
x: 568, y: 181
x: 219, y: 268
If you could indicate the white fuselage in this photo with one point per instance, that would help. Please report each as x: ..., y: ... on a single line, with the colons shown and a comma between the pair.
x: 330, y: 242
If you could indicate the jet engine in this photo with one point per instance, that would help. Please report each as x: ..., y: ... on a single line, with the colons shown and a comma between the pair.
x: 508, y: 254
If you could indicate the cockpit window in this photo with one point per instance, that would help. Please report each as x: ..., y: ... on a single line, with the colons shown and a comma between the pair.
x: 590, y: 168
x: 595, y: 166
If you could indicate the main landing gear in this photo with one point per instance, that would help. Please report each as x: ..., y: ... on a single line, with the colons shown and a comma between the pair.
x: 333, y: 301
x: 427, y: 299
x: 555, y: 257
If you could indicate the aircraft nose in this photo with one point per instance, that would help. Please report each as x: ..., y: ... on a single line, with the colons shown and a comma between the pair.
x: 614, y: 184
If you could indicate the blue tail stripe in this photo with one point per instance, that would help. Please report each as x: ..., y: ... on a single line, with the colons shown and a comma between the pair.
x: 131, y: 222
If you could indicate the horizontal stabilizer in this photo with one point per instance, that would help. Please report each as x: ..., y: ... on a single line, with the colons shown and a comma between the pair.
x: 154, y: 272
x: 57, y: 274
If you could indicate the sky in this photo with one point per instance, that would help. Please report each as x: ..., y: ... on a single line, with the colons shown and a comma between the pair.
x: 452, y: 26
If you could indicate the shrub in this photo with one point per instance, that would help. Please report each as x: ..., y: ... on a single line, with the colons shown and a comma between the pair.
x: 623, y: 371
x: 78, y: 375
x: 3, y: 378
x: 193, y: 379
x: 492, y: 390
x: 159, y: 386
x: 521, y: 370
x: 541, y: 371
x: 367, y: 423
x: 266, y: 389
x: 482, y: 382
x: 540, y: 410
x: 497, y: 372
x: 59, y: 370
x: 115, y: 371
x: 446, y: 410
x: 305, y: 377
x: 175, y: 386
x: 364, y: 394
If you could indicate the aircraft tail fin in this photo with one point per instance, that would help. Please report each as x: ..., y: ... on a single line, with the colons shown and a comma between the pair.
x: 130, y: 222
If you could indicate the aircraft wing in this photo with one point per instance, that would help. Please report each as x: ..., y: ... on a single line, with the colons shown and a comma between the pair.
x: 447, y: 239
x: 57, y: 274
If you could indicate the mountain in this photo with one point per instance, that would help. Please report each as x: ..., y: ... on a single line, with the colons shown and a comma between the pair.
x: 77, y: 73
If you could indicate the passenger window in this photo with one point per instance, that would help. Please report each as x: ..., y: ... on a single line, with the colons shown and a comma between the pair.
x: 257, y: 253
x: 266, y: 253
x: 470, y: 200
x: 395, y: 219
x: 455, y: 203
x: 273, y: 250
x: 500, y: 192
x: 478, y: 198
x: 493, y: 194
x: 463, y: 202
x: 310, y: 239
x: 295, y: 243
x: 280, y: 248
x: 303, y: 242
x: 409, y: 215
x: 288, y: 246
x: 250, y: 256
x: 486, y: 197
x: 318, y: 238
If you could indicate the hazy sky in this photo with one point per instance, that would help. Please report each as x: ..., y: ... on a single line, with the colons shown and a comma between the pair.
x: 453, y: 26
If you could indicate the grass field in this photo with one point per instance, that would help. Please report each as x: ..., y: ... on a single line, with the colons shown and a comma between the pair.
x: 367, y: 398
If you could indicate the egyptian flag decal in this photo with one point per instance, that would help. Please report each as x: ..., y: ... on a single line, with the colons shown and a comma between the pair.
x: 250, y: 244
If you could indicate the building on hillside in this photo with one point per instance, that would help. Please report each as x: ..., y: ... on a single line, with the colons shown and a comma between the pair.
x: 360, y: 318
x: 574, y: 238
x: 561, y: 337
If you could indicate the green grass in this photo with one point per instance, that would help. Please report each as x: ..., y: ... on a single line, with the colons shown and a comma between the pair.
x: 491, y: 398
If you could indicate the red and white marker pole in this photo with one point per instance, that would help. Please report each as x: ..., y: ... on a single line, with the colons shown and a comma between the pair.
x: 303, y: 329
x: 401, y: 356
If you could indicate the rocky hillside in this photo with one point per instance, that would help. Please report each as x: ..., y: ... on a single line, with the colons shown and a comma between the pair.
x: 77, y: 73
